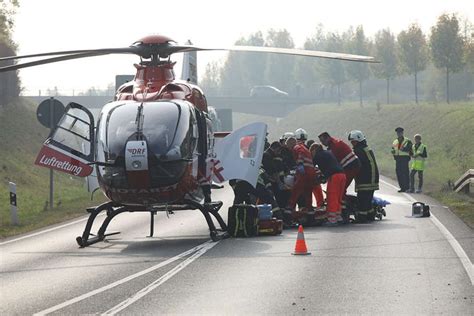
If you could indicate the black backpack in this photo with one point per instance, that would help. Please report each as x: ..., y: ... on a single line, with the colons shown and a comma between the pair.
x: 242, y: 220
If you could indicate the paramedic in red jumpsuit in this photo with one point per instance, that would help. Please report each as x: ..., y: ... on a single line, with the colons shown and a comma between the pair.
x: 305, y: 172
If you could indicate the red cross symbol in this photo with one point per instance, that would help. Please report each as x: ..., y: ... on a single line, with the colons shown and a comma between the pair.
x: 217, y: 170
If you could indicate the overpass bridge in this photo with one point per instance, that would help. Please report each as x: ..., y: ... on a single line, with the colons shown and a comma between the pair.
x: 278, y: 107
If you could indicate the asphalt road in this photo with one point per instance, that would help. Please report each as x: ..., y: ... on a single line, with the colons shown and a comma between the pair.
x: 400, y: 265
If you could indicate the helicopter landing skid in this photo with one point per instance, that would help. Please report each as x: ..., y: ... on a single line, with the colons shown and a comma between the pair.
x: 85, y: 240
x: 213, y: 208
x: 113, y: 210
x: 206, y: 209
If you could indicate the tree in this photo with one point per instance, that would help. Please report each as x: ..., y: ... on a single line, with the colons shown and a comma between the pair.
x: 469, y: 53
x: 233, y: 81
x: 447, y: 46
x: 467, y: 31
x: 9, y: 81
x: 333, y: 70
x: 279, y: 69
x: 254, y: 63
x: 308, y: 70
x: 211, y: 79
x: 413, y: 52
x: 242, y: 70
x: 360, y: 72
x: 385, y: 52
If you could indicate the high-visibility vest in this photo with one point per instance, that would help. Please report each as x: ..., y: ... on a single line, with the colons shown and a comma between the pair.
x: 418, y: 161
x: 398, y: 150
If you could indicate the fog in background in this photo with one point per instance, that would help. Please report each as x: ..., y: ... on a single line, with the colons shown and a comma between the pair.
x: 51, y: 25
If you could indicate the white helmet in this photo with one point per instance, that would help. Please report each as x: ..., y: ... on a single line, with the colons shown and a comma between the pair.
x: 287, y: 135
x: 356, y: 135
x: 300, y: 134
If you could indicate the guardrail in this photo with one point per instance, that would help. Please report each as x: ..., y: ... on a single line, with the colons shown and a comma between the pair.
x: 464, y: 182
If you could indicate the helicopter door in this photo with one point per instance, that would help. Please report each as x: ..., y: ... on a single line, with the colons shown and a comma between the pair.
x: 239, y: 154
x: 69, y: 148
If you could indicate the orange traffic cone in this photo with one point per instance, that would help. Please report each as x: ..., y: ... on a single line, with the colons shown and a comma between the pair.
x: 300, y: 247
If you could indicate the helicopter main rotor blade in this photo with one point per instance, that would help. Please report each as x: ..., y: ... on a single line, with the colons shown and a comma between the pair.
x: 285, y: 51
x: 164, y: 50
x: 49, y: 60
x: 71, y: 52
x: 303, y: 52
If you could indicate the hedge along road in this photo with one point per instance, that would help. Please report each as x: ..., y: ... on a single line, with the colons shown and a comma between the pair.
x: 398, y: 265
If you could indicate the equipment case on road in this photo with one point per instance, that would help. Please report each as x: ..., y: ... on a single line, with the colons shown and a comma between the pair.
x: 242, y: 220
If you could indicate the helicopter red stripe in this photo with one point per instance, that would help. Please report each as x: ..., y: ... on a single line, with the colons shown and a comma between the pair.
x: 138, y: 179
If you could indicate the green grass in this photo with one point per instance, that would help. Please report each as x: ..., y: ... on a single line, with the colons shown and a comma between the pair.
x: 21, y: 137
x: 447, y: 130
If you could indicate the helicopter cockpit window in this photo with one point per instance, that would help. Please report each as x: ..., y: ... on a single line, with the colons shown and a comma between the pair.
x: 121, y: 125
x: 168, y: 130
x: 166, y: 127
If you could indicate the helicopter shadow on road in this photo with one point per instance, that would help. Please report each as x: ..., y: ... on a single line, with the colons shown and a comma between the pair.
x: 168, y: 246
x: 152, y: 250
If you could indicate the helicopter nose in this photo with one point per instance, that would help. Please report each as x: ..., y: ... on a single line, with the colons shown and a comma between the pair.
x: 136, y: 164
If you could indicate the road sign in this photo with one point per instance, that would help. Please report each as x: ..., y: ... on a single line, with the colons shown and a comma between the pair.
x: 49, y: 112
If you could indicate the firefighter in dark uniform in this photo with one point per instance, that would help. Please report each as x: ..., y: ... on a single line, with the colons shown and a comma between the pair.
x: 367, y: 180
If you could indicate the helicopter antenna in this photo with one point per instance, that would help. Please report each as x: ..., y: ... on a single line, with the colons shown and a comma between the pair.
x: 139, y: 122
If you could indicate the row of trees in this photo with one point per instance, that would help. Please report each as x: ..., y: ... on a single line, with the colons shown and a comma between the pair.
x: 449, y: 48
x: 9, y: 81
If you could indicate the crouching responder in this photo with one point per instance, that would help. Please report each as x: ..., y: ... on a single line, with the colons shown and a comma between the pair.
x: 305, y: 172
x: 418, y: 164
x: 344, y: 155
x: 336, y: 182
x: 367, y: 180
x: 244, y: 192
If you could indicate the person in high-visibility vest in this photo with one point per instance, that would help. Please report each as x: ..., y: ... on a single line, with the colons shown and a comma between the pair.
x: 419, y: 153
x: 401, y: 151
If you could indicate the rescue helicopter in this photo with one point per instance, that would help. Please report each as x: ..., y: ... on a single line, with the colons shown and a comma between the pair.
x: 153, y: 148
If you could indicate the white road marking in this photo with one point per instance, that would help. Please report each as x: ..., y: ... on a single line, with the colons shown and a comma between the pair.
x: 121, y: 306
x: 124, y: 280
x: 466, y: 262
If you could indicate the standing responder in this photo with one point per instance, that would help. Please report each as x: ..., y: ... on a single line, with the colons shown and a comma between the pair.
x: 401, y: 151
x: 418, y: 164
x: 305, y: 172
x: 336, y: 182
x: 367, y: 180
x: 271, y: 160
x: 344, y: 155
x: 286, y: 153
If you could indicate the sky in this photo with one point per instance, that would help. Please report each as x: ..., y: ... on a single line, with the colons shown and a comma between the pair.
x: 54, y: 25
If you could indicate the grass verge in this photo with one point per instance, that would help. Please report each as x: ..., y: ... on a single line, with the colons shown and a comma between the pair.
x: 21, y: 138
